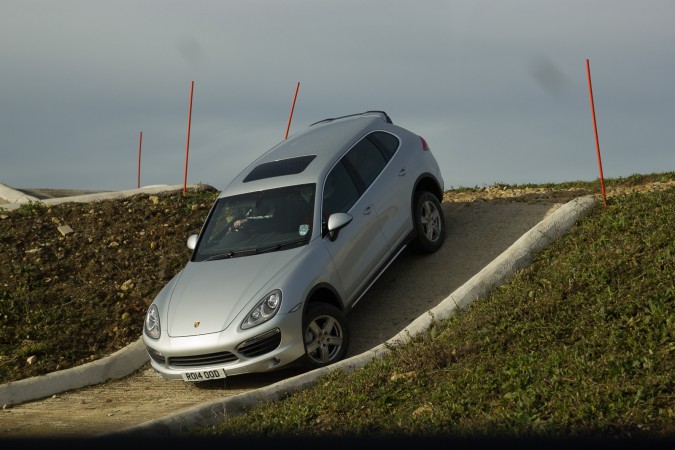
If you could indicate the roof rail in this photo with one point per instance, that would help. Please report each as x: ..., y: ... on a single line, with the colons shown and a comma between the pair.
x: 385, y: 116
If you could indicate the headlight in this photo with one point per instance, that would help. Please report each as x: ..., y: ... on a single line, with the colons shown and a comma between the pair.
x: 264, y: 310
x: 151, y: 326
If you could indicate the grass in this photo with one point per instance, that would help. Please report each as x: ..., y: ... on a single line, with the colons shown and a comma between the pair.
x: 593, y: 186
x: 579, y: 344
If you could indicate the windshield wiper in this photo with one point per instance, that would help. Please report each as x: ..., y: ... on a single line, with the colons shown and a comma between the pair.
x: 271, y: 248
x: 230, y: 254
x: 280, y: 245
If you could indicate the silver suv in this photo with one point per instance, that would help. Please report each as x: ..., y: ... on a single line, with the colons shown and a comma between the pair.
x: 291, y: 245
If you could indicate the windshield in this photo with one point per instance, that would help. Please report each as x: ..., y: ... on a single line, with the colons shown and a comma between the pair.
x: 257, y: 222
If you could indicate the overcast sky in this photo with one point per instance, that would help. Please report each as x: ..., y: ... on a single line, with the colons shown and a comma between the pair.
x: 498, y: 88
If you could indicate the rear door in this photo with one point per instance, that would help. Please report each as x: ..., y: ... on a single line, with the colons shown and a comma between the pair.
x: 391, y: 189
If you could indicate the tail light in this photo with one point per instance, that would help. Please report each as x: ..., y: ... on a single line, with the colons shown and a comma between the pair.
x: 425, y: 146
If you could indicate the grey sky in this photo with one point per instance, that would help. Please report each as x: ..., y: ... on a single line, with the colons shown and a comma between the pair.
x: 497, y: 88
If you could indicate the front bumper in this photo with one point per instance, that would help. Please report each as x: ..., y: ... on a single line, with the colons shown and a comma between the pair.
x: 268, y: 350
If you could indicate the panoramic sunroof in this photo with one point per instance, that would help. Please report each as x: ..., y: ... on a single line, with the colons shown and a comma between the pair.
x: 290, y: 166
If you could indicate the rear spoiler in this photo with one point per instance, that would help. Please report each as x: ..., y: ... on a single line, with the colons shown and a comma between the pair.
x: 384, y: 115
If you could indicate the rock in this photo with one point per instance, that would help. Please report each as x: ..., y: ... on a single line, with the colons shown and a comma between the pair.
x: 399, y: 376
x: 127, y: 285
x: 32, y: 360
x: 65, y: 230
x: 424, y: 409
x: 154, y: 199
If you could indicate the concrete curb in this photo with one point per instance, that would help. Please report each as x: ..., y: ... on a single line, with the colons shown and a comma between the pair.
x: 14, y: 197
x: 517, y: 256
x: 118, y: 365
x: 88, y: 198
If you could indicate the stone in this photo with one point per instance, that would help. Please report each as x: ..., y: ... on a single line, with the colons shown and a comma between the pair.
x: 65, y: 230
x: 32, y: 360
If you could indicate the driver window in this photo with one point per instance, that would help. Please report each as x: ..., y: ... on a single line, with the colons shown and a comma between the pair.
x: 340, y: 192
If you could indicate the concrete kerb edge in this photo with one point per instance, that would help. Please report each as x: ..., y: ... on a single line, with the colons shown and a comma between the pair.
x: 118, y: 365
x: 14, y: 197
x: 89, y: 198
x: 517, y: 256
x: 212, y: 413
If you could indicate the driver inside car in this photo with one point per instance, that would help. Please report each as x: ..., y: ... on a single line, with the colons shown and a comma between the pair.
x: 289, y: 214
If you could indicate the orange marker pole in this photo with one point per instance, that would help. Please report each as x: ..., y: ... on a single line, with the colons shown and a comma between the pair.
x: 290, y: 116
x: 140, y: 143
x: 187, y: 144
x: 595, y: 130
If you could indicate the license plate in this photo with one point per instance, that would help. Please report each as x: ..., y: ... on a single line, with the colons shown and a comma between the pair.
x: 204, y: 375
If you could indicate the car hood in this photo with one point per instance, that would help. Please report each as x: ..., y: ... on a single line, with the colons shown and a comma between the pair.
x: 208, y: 295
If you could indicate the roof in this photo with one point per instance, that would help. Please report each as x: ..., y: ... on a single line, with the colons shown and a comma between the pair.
x: 328, y: 140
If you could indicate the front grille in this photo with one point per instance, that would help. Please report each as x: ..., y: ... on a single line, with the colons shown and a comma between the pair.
x: 260, y: 345
x: 156, y: 356
x: 202, y: 360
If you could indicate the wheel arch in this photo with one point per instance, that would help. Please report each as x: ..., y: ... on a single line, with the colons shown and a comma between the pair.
x: 427, y: 182
x: 324, y: 293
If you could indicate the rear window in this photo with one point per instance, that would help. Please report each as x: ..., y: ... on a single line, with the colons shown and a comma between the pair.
x: 290, y: 166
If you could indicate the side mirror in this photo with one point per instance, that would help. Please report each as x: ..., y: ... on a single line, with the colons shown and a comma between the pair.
x: 336, y: 222
x: 192, y: 241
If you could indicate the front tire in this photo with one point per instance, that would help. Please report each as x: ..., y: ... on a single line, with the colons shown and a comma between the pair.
x: 326, y: 335
x: 429, y: 223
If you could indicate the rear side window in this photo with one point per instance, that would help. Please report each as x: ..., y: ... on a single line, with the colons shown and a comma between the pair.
x: 367, y: 161
x: 388, y: 143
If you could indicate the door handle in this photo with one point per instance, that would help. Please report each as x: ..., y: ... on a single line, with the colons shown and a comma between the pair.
x: 368, y: 210
x: 402, y: 172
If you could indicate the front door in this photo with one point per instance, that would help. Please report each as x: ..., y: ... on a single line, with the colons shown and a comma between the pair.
x: 360, y: 247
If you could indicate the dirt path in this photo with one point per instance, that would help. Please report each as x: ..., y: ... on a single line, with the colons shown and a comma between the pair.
x: 477, y: 233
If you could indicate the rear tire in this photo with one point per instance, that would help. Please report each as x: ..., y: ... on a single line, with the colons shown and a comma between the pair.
x: 429, y: 223
x: 326, y: 335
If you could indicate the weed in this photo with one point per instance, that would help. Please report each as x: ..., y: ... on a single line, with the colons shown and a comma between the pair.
x: 31, y: 208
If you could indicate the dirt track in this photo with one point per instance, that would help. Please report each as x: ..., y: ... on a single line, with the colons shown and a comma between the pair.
x: 477, y: 233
